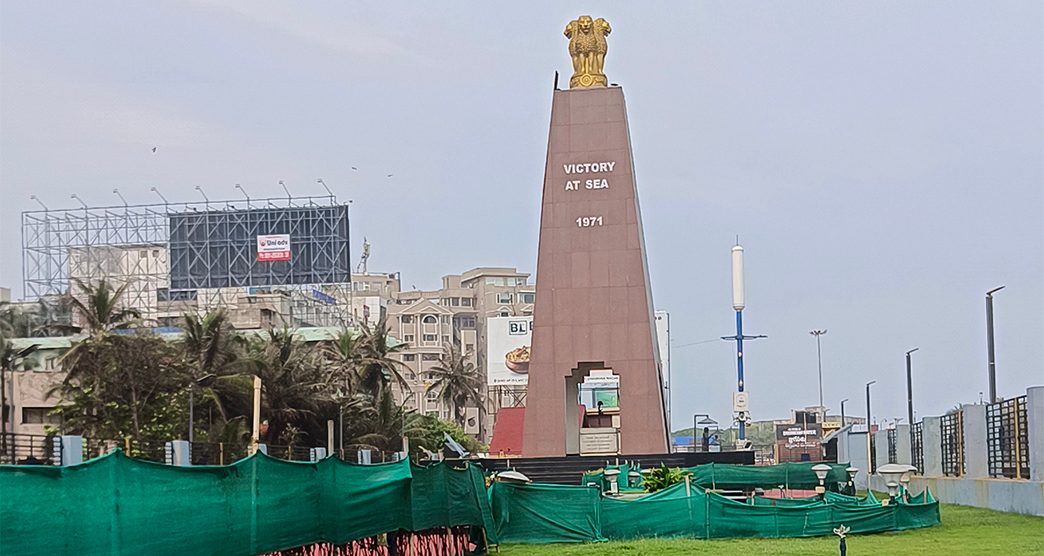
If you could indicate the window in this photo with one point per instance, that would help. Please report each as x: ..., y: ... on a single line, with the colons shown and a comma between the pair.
x: 49, y: 363
x: 469, y: 348
x: 445, y: 339
x: 407, y: 319
x: 467, y: 323
x: 429, y: 357
x: 39, y: 416
x: 465, y: 302
x: 409, y: 357
x: 504, y: 297
x: 431, y: 337
x: 433, y: 395
x: 528, y: 298
x: 407, y: 338
x: 504, y: 314
x: 454, y: 301
x: 445, y: 319
x: 430, y: 319
x: 413, y: 375
x: 155, y: 253
x: 143, y: 254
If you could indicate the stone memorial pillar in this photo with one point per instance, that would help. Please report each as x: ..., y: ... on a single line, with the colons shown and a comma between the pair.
x: 594, y: 307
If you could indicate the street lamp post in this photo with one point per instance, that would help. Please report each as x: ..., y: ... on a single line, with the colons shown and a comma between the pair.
x: 819, y: 359
x: 990, y: 355
x: 869, y: 436
x: 909, y: 388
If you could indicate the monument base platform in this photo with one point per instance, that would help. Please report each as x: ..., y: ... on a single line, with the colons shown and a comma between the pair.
x: 568, y: 470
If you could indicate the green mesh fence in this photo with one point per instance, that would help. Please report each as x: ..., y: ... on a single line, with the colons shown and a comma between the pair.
x: 116, y: 505
x: 539, y: 514
x: 792, y: 475
x: 543, y: 514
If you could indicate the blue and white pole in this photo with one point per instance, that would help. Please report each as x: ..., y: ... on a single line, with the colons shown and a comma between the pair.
x: 740, y: 401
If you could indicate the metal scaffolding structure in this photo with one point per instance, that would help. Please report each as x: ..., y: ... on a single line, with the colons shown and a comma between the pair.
x: 174, y: 258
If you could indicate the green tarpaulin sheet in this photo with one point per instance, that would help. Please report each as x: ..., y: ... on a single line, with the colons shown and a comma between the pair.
x: 543, y: 514
x: 116, y: 505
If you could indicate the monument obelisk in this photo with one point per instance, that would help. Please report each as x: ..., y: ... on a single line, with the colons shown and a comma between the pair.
x: 594, y: 308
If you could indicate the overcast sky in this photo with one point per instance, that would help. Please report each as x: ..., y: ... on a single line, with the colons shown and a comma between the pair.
x: 880, y: 161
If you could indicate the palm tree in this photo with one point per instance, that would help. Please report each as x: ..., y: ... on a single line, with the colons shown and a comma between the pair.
x: 382, y: 423
x: 379, y: 365
x: 100, y: 307
x: 290, y: 375
x: 457, y: 381
x: 212, y: 354
x: 343, y: 357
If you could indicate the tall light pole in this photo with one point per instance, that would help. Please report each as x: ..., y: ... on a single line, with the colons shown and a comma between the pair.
x: 869, y: 438
x: 991, y: 360
x: 843, y: 411
x: 909, y: 388
x: 739, y: 405
x: 819, y: 358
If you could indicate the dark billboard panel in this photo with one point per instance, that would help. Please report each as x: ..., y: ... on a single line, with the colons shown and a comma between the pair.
x: 259, y: 247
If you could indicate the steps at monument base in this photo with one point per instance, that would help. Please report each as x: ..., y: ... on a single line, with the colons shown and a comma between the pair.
x: 569, y: 470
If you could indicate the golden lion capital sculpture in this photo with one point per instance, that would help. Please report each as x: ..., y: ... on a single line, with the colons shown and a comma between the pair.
x: 587, y: 47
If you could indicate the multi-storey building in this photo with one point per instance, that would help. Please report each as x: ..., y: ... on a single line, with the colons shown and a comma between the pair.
x: 455, y: 314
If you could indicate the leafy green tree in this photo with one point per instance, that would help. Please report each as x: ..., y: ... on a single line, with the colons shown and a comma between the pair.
x: 123, y: 385
x: 457, y: 381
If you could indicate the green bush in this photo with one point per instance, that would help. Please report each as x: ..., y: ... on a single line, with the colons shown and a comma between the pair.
x: 662, y: 477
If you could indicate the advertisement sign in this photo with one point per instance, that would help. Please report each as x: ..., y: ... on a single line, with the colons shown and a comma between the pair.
x: 507, y: 350
x: 273, y: 248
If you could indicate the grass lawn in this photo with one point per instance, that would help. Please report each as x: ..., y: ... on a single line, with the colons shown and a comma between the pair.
x: 964, y: 530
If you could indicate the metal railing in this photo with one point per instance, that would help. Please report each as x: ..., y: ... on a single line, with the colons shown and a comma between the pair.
x: 917, y: 446
x: 292, y: 453
x: 30, y: 449
x: 1007, y: 439
x: 355, y: 453
x: 892, y: 448
x: 953, y: 464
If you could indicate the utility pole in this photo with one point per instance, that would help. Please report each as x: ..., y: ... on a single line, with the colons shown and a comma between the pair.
x: 255, y: 434
x: 909, y: 388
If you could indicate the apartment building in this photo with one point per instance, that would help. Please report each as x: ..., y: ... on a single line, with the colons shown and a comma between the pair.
x: 455, y: 314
